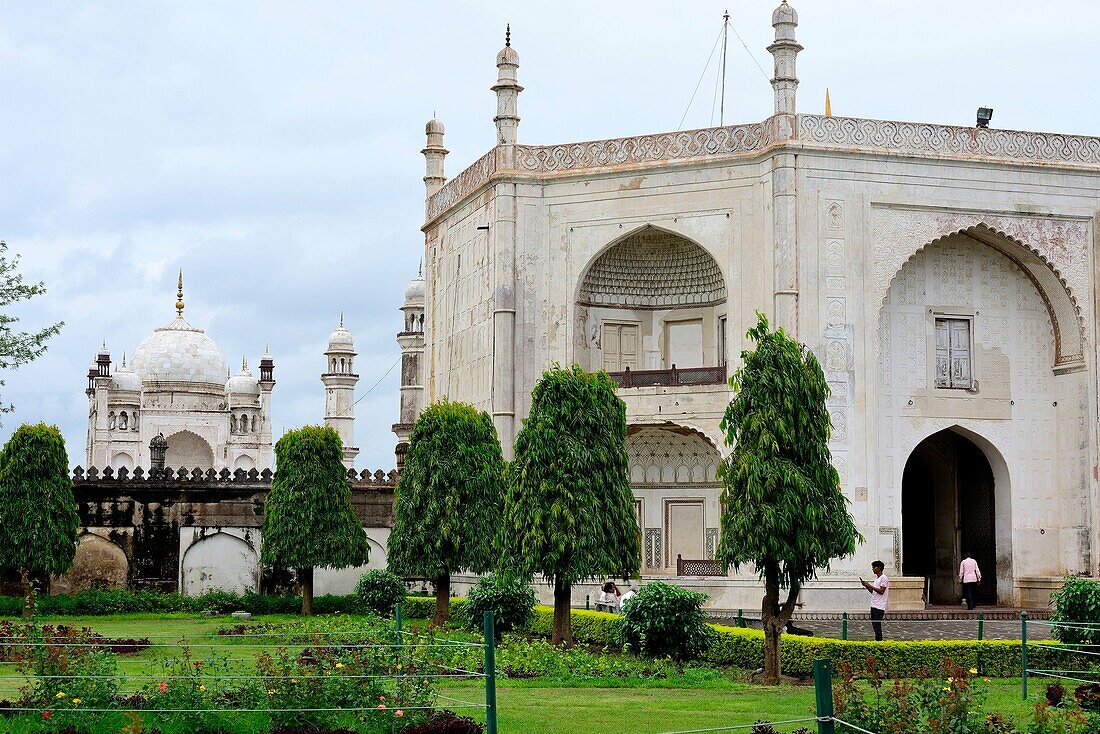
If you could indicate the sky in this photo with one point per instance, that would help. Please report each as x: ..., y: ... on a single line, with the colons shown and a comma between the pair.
x: 272, y: 149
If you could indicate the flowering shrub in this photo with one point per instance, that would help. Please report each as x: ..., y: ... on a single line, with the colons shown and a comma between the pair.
x: 380, y: 591
x: 510, y: 598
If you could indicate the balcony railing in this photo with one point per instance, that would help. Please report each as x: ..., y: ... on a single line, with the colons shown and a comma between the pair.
x: 670, y: 378
x: 698, y: 567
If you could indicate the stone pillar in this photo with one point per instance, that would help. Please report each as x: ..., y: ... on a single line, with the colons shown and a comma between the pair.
x: 267, y: 385
x: 503, y: 240
x: 507, y: 89
x: 339, y: 379
x: 785, y: 52
x: 434, y: 155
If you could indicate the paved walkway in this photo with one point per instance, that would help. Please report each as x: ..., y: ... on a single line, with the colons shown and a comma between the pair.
x: 935, y: 623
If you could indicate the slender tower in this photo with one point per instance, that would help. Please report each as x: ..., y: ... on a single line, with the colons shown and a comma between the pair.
x: 434, y: 154
x: 785, y: 52
x: 339, y: 378
x: 411, y: 341
x: 507, y: 89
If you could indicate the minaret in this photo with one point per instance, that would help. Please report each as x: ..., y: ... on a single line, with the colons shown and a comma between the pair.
x: 267, y: 384
x: 434, y: 153
x: 99, y: 384
x: 507, y: 89
x: 411, y: 341
x: 339, y: 378
x: 785, y: 50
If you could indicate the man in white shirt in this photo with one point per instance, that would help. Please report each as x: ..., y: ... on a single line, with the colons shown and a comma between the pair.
x: 880, y: 594
x: 630, y: 594
x: 969, y: 576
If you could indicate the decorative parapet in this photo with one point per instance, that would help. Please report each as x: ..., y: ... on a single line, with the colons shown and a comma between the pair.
x: 847, y: 132
x: 363, y: 479
x: 688, y: 144
x: 914, y: 137
x: 674, y: 146
x: 458, y: 187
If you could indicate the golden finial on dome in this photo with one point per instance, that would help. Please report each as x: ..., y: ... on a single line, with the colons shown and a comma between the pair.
x: 179, y: 295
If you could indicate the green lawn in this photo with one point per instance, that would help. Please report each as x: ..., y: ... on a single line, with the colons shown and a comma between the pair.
x: 700, y: 699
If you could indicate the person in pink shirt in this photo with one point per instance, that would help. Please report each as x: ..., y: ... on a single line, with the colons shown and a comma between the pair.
x: 969, y: 576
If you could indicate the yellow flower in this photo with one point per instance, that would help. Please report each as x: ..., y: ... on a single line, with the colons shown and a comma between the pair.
x: 950, y: 679
x: 202, y: 688
x: 973, y: 671
x: 946, y: 688
x: 271, y: 691
x: 399, y: 666
x: 339, y: 665
x: 76, y: 700
x: 60, y: 694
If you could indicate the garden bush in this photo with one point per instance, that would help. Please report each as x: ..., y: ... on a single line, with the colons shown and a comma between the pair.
x: 510, y: 598
x: 380, y: 591
x: 663, y: 620
x: 1078, y: 601
x: 599, y: 629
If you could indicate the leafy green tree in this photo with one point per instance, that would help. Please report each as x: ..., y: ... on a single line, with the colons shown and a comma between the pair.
x: 449, y: 499
x: 782, y: 508
x: 308, y: 517
x: 18, y: 347
x: 568, y: 508
x: 38, y: 519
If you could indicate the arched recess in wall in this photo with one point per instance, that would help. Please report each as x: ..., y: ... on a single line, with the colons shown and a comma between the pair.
x: 244, y: 462
x: 122, y: 460
x: 670, y: 455
x: 219, y: 561
x: 652, y: 300
x: 98, y: 564
x: 187, y: 450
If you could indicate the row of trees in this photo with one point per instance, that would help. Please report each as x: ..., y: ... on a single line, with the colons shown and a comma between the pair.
x: 562, y: 508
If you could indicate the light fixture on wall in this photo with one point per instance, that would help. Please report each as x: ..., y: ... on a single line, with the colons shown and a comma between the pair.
x: 985, y: 114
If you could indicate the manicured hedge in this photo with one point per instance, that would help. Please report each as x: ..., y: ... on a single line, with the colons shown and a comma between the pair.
x: 423, y: 607
x: 589, y: 628
x: 118, y: 601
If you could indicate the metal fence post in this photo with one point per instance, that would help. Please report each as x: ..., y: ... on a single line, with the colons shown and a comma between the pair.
x: 844, y: 626
x: 981, y: 626
x: 1023, y: 652
x: 740, y: 617
x: 490, y: 675
x: 823, y: 690
x: 587, y: 599
x: 397, y: 623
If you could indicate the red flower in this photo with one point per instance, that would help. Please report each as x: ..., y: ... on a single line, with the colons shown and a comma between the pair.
x: 197, y: 663
x: 47, y: 714
x: 163, y: 687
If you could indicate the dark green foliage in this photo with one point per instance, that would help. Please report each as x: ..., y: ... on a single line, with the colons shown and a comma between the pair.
x: 781, y: 502
x: 1078, y: 601
x: 18, y: 348
x: 448, y: 502
x: 380, y: 591
x: 38, y: 519
x: 308, y: 519
x: 509, y: 597
x: 665, y: 621
x: 782, y: 508
x: 569, y: 509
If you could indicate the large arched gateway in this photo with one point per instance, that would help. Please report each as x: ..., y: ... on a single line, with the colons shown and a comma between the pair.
x: 982, y: 411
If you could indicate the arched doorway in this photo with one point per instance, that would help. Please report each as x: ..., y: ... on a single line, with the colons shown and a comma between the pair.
x: 187, y: 450
x: 948, y: 498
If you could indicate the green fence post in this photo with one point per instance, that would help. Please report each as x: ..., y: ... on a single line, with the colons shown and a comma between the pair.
x: 1023, y: 652
x: 587, y: 599
x: 490, y: 675
x: 397, y: 622
x: 981, y: 626
x: 823, y: 689
x: 844, y: 626
x: 740, y: 617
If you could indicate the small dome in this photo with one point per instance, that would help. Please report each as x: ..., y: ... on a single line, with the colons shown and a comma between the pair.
x: 242, y: 383
x: 434, y: 126
x: 508, y: 55
x: 341, y: 340
x: 784, y: 14
x: 125, y: 379
x: 179, y: 352
x: 414, y: 291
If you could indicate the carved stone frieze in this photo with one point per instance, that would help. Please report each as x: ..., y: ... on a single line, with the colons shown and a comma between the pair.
x: 458, y: 187
x: 913, y: 137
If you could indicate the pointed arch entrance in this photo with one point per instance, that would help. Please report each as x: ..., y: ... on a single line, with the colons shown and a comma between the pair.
x: 949, y: 508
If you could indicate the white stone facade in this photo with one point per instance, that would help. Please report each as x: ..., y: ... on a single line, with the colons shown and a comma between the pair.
x: 866, y: 239
x: 177, y: 384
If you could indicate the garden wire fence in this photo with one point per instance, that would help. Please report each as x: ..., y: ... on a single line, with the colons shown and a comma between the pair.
x: 1076, y: 648
x: 369, y: 679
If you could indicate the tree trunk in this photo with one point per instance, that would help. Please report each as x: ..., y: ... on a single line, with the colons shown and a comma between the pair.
x: 442, y: 600
x: 306, y: 577
x: 563, y: 621
x: 28, y: 593
x: 774, y: 618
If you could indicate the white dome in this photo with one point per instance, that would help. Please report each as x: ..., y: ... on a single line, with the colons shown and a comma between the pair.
x: 341, y: 339
x: 125, y: 379
x: 414, y: 291
x: 243, y: 383
x: 179, y: 352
